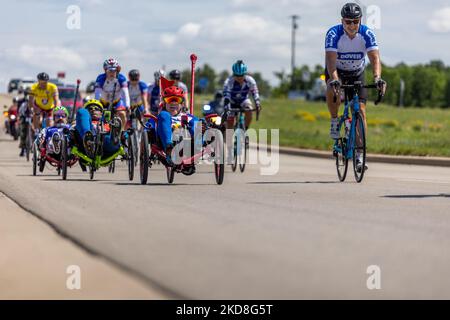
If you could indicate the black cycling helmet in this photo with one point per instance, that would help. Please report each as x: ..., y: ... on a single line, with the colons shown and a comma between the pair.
x: 43, y: 76
x: 351, y: 10
x: 175, y: 75
x: 218, y: 95
x: 133, y: 74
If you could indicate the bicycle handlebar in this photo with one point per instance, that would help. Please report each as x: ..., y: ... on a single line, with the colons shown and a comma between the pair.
x: 359, y: 85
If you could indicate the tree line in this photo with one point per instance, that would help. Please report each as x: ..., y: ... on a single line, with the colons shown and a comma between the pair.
x: 420, y: 85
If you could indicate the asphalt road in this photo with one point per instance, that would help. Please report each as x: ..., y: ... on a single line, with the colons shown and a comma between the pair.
x: 297, y: 234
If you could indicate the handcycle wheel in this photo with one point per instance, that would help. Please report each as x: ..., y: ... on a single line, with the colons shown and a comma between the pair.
x: 244, y: 160
x: 360, y: 140
x: 340, y: 151
x: 130, y: 158
x: 170, y: 174
x: 64, y: 158
x: 34, y: 158
x: 144, y: 158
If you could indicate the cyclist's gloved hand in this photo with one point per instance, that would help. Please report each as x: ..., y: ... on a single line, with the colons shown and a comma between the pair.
x: 258, y: 106
x: 381, y: 84
x: 336, y: 84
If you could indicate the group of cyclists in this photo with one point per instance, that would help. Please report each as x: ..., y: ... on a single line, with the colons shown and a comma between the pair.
x: 346, y: 47
x: 128, y: 96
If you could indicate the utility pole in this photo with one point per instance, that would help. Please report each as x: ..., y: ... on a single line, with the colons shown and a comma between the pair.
x: 294, y: 28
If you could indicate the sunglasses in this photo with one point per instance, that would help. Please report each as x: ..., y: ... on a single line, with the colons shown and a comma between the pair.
x: 60, y: 116
x: 178, y: 100
x: 349, y: 22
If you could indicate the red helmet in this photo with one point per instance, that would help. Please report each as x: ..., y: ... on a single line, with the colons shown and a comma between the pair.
x: 173, y: 91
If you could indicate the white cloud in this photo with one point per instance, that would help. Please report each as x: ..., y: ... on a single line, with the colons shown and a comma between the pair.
x: 47, y: 58
x: 120, y: 43
x: 189, y: 30
x: 168, y: 39
x: 440, y: 22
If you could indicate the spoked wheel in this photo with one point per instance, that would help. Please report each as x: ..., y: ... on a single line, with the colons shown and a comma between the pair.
x: 244, y: 154
x: 340, y: 150
x: 359, y: 149
x: 144, y: 158
x: 219, y: 163
x: 28, y: 142
x: 35, y: 158
x: 130, y: 157
x: 235, y: 154
x: 64, y: 157
x: 170, y: 174
x: 135, y: 147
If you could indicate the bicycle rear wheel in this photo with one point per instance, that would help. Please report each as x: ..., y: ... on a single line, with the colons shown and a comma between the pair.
x: 34, y: 158
x: 359, y: 149
x: 340, y: 151
x: 144, y: 158
x: 244, y: 154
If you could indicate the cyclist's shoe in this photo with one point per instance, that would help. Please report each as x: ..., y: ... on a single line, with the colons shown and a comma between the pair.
x: 124, y: 138
x: 116, y: 127
x: 334, y: 132
x: 359, y: 166
x: 89, y: 144
x: 22, y: 152
x: 169, y: 156
x: 56, y: 140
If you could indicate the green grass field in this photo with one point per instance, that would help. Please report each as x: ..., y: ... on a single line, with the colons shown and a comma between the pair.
x: 392, y: 130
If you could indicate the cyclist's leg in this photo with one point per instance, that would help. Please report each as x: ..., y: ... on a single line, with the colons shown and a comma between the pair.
x: 36, y: 118
x: 121, y: 111
x: 248, y: 106
x: 48, y: 117
x: 333, y: 107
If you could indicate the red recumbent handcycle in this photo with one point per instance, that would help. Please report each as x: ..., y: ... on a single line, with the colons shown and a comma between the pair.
x: 212, y: 149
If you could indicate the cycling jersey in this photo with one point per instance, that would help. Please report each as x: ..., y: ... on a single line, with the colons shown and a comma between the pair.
x: 104, y: 90
x: 154, y: 97
x: 237, y: 93
x: 44, y: 98
x: 351, y: 53
x: 136, y: 92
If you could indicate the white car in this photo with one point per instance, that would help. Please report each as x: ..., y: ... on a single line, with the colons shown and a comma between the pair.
x: 25, y: 84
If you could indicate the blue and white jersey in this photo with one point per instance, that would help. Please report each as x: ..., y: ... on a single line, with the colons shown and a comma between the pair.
x: 136, y: 92
x: 238, y: 93
x: 104, y: 87
x: 154, y: 97
x: 351, y: 53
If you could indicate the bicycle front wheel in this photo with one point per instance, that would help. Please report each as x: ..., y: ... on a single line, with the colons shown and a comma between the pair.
x: 359, y: 152
x: 340, y: 151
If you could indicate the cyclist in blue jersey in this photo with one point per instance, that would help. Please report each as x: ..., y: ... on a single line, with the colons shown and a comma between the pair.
x: 104, y: 86
x: 138, y: 92
x: 237, y: 90
x: 346, y: 47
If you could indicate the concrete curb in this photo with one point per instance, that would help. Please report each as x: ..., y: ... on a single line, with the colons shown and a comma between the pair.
x: 411, y: 160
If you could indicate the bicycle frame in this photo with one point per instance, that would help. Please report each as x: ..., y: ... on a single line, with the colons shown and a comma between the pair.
x: 355, y: 106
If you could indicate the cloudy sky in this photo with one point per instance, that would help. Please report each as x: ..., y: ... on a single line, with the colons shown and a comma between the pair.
x: 149, y: 34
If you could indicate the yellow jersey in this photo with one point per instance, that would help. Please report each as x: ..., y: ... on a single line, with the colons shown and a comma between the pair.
x: 44, y: 98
